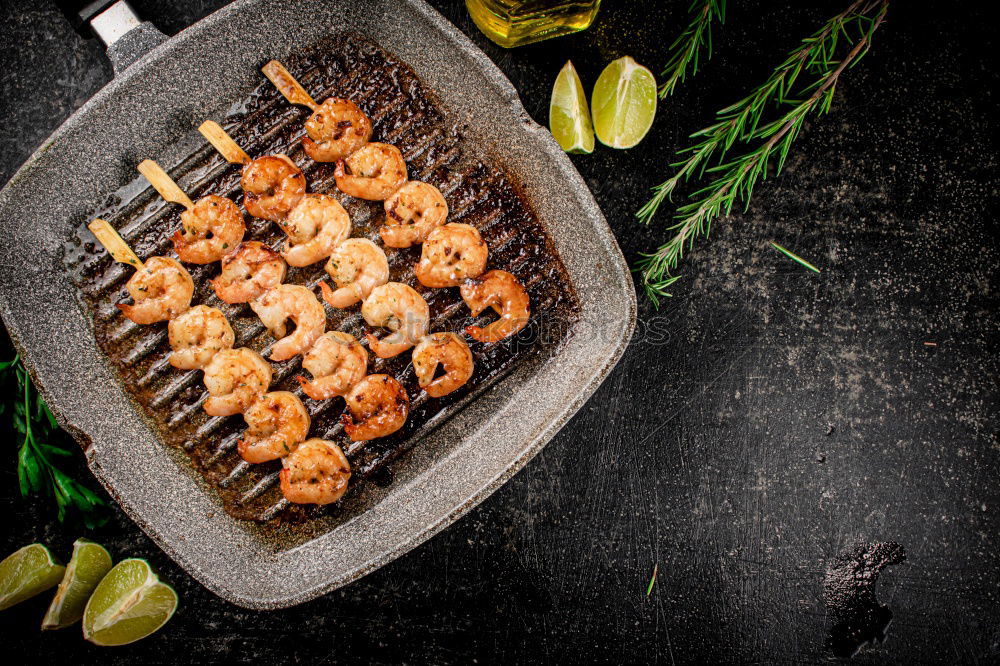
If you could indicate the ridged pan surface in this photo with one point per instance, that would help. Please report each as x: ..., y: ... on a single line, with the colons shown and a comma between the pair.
x: 404, y: 113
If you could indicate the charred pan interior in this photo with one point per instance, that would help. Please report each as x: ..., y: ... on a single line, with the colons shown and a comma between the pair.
x: 478, y: 191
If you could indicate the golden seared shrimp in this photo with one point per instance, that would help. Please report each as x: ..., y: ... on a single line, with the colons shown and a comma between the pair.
x: 411, y: 213
x: 162, y: 289
x: 276, y: 424
x: 357, y: 266
x: 316, y: 472
x: 316, y: 226
x: 378, y: 406
x: 402, y: 310
x: 295, y: 302
x: 337, y: 362
x: 376, y: 171
x: 336, y: 129
x: 210, y: 230
x: 235, y: 379
x: 272, y: 186
x: 196, y: 336
x: 448, y: 350
x: 450, y: 255
x: 248, y: 272
x: 506, y: 295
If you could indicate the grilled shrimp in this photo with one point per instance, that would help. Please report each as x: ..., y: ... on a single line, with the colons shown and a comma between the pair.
x: 295, y: 302
x: 235, y: 379
x: 316, y: 472
x: 450, y: 255
x: 209, y: 230
x: 336, y: 129
x: 276, y: 424
x: 357, y: 266
x: 337, y: 362
x: 378, y: 405
x: 376, y: 171
x: 402, y: 310
x: 506, y: 295
x: 272, y: 186
x: 450, y: 351
x: 315, y: 227
x: 161, y: 290
x: 197, y: 335
x: 248, y: 272
x: 411, y: 213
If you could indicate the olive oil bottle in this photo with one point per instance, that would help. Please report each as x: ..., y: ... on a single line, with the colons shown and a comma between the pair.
x: 516, y: 22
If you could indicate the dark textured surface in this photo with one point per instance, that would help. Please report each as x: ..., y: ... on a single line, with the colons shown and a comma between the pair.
x: 768, y: 420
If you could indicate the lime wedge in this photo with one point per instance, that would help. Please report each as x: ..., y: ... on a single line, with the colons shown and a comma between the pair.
x: 27, y: 572
x: 89, y: 564
x: 624, y: 103
x: 129, y: 603
x: 569, y: 117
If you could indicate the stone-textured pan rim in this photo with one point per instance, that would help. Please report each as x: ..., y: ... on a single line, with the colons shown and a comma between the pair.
x: 151, y: 110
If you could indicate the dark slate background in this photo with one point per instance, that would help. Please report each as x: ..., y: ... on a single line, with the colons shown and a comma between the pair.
x: 776, y: 419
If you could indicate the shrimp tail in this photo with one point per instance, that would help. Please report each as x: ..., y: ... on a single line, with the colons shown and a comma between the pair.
x: 327, y: 293
x: 350, y: 427
x: 477, y: 333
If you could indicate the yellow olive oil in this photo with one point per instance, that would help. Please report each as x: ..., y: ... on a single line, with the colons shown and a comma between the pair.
x: 516, y: 22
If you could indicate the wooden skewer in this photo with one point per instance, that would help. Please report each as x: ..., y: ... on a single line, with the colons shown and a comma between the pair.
x: 164, y: 184
x: 287, y: 85
x: 113, y: 243
x: 223, y: 143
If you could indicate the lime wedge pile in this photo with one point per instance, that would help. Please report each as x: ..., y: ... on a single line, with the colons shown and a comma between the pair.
x: 622, y: 107
x: 118, y: 605
x: 129, y: 604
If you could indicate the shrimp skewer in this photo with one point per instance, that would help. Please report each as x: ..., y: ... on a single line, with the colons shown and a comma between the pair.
x: 336, y: 128
x: 210, y: 228
x: 160, y: 287
x: 272, y: 184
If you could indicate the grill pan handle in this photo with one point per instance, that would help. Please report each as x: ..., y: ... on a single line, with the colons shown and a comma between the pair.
x: 126, y: 38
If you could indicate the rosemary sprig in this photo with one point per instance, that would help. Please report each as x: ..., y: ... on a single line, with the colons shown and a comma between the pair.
x: 736, y: 178
x: 685, y: 52
x: 40, y: 447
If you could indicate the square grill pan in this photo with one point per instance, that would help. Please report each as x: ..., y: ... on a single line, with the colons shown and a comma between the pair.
x: 461, y: 126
